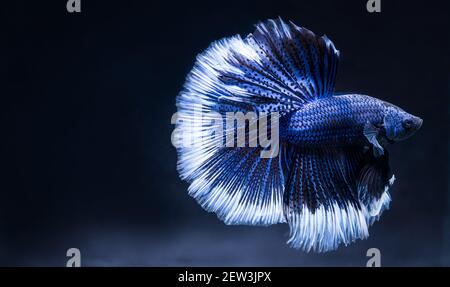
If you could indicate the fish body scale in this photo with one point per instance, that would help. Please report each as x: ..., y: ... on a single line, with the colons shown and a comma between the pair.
x: 332, y: 122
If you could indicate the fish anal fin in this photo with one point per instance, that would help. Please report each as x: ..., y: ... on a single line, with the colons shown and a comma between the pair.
x: 375, y: 180
x: 321, y: 202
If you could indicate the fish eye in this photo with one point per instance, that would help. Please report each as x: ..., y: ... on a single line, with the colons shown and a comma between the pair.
x: 407, y: 124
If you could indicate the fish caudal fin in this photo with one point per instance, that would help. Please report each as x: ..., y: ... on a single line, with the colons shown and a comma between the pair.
x: 241, y: 187
x: 276, y: 69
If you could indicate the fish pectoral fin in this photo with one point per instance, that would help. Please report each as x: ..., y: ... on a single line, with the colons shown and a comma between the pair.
x: 371, y: 133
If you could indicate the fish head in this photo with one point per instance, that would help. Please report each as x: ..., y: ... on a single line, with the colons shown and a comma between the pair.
x: 400, y: 125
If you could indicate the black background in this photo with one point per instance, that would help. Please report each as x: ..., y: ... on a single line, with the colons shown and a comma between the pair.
x: 86, y: 103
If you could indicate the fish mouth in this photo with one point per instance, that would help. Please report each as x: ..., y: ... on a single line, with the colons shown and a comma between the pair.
x: 418, y: 122
x: 412, y: 124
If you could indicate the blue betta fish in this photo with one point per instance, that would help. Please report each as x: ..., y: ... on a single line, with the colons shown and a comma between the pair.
x: 331, y: 177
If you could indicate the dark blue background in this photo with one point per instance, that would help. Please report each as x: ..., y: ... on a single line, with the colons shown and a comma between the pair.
x: 86, y: 102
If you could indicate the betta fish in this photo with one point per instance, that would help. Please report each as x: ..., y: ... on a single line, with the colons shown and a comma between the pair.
x: 331, y: 177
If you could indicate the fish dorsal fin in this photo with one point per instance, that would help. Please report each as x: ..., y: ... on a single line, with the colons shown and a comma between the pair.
x: 304, y: 62
x: 278, y: 68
